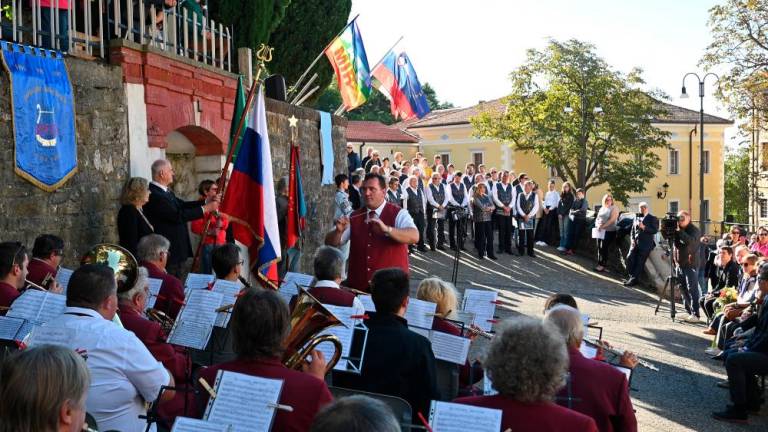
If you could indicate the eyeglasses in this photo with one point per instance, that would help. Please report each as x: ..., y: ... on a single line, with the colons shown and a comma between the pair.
x: 241, y: 262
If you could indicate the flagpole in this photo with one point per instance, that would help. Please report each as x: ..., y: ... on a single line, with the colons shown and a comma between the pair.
x: 304, y: 75
x: 387, y: 52
x: 264, y: 54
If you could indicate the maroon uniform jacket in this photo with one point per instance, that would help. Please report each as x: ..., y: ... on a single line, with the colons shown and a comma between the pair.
x: 171, y: 295
x: 371, y: 250
x: 39, y: 270
x: 8, y: 294
x: 533, y: 417
x: 329, y: 295
x: 601, y: 392
x: 305, y: 393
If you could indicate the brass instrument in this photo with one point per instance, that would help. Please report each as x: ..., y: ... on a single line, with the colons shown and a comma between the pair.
x: 123, y: 263
x: 619, y: 352
x: 161, y: 318
x: 308, y: 319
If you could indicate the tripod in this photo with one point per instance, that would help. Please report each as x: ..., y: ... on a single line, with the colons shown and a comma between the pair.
x: 671, y: 283
x: 460, y: 218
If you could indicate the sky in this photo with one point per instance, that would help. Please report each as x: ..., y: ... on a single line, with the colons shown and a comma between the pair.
x: 466, y: 50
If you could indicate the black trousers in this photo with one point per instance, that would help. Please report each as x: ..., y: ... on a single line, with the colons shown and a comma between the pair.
x: 636, y: 261
x: 505, y: 233
x: 457, y: 230
x: 525, y: 241
x: 484, y: 238
x: 708, y: 306
x: 431, y: 224
x: 742, y: 368
x: 418, y: 219
x: 602, y: 247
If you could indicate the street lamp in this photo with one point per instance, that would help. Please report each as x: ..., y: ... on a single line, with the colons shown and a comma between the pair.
x: 662, y: 195
x: 684, y: 95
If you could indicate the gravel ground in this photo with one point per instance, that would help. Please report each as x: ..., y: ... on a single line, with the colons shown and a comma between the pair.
x: 680, y: 397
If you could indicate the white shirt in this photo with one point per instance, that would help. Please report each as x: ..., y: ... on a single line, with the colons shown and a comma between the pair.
x: 415, y: 192
x: 512, y: 194
x: 551, y: 199
x: 357, y: 305
x: 452, y: 200
x: 165, y: 189
x: 534, y: 210
x: 431, y: 197
x: 124, y: 373
x: 403, y: 220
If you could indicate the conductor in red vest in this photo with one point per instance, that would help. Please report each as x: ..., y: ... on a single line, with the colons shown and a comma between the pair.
x: 379, y: 233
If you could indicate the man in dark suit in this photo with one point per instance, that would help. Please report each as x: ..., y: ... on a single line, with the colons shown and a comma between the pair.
x: 643, y: 231
x: 354, y: 191
x: 398, y: 362
x: 169, y: 215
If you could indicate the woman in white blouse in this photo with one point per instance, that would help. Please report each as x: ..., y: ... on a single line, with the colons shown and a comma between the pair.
x: 548, y: 229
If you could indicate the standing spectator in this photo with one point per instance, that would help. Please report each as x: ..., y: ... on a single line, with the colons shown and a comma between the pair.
x: 578, y: 216
x: 394, y: 193
x: 169, y: 215
x: 449, y: 173
x: 373, y: 161
x: 504, y: 198
x: 549, y: 231
x: 527, y: 205
x: 643, y: 232
x: 386, y: 167
x: 416, y: 203
x: 606, y: 223
x: 343, y: 206
x: 438, y: 162
x: 215, y: 223
x: 705, y: 261
x: 281, y: 205
x: 367, y: 158
x: 469, y: 176
x: 405, y: 172
x: 482, y: 209
x: 354, y: 191
x: 458, y: 201
x: 761, y: 245
x: 687, y: 250
x: 50, y: 13
x: 132, y: 224
x: 397, y: 164
x: 437, y: 200
x: 353, y: 159
x: 563, y: 211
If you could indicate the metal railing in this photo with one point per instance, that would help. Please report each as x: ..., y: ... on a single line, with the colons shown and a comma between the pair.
x: 91, y: 24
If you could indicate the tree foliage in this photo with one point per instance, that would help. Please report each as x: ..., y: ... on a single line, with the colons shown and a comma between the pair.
x: 740, y: 43
x: 253, y: 21
x: 588, y: 148
x: 377, y: 107
x: 737, y: 179
x: 308, y: 27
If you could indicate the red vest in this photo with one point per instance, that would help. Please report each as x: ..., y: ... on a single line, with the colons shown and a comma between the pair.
x: 370, y: 251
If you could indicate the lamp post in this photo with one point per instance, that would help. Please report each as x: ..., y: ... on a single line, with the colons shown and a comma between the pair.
x: 684, y: 95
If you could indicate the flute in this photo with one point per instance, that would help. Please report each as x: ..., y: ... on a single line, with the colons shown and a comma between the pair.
x: 480, y: 332
x: 620, y: 352
x: 34, y: 285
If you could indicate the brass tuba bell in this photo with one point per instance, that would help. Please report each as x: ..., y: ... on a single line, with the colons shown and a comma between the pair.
x: 121, y: 261
x: 308, y: 319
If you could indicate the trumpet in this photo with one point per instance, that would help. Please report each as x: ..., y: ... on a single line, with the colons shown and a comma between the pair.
x: 161, y: 318
x: 619, y: 352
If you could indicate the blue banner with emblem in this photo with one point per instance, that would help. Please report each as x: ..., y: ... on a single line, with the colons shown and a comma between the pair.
x: 43, y: 115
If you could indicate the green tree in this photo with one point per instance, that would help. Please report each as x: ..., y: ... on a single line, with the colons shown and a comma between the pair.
x: 737, y: 186
x: 434, y: 103
x: 253, y: 21
x: 588, y: 146
x: 308, y: 27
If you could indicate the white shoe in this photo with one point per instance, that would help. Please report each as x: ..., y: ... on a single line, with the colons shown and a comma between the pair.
x: 713, y: 351
x: 693, y: 319
x: 561, y: 249
x: 540, y: 243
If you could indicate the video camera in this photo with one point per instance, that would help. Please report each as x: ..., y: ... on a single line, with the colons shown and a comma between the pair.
x: 458, y: 213
x: 669, y: 225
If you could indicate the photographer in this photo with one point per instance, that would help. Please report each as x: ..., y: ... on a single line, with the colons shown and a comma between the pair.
x: 686, y: 241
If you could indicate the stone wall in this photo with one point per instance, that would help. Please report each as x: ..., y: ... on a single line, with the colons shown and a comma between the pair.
x: 83, y: 212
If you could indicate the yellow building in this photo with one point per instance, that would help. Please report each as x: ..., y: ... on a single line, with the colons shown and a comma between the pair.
x: 450, y: 134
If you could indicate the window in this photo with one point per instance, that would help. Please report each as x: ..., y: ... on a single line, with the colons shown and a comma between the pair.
x: 477, y: 158
x: 674, y: 161
x: 705, y: 210
x: 445, y: 158
x: 764, y: 156
x: 674, y: 206
x: 763, y: 208
x: 706, y: 161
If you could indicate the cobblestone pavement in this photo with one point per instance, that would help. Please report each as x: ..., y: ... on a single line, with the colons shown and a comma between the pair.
x: 680, y: 397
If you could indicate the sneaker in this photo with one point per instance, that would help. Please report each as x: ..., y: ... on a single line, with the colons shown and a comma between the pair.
x: 693, y: 319
x: 732, y: 414
x: 712, y: 351
x: 540, y: 243
x: 561, y: 249
x: 723, y: 384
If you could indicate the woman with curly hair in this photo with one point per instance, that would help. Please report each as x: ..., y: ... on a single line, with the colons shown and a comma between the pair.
x: 527, y: 362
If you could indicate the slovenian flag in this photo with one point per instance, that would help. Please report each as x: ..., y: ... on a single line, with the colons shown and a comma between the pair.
x: 347, y: 56
x: 249, y: 200
x: 401, y: 86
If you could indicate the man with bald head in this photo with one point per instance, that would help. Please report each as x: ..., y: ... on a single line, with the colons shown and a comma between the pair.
x: 169, y: 215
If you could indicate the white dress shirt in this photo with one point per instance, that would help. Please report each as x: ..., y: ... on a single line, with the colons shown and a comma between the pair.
x: 403, y: 220
x: 551, y: 199
x: 124, y: 373
x: 534, y: 210
x: 452, y: 200
x: 415, y: 192
x: 512, y: 193
x: 431, y: 197
x: 357, y: 305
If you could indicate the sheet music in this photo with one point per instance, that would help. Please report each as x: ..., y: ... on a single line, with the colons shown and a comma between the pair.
x: 198, y: 281
x: 291, y: 283
x: 195, y: 322
x: 585, y: 323
x: 422, y: 331
x: 186, y: 424
x: 9, y: 328
x: 448, y: 347
x: 587, y: 350
x: 344, y: 334
x: 62, y: 277
x: 482, y: 303
x: 488, y: 389
x: 367, y: 302
x: 52, y: 335
x: 234, y: 391
x: 626, y: 371
x: 420, y: 313
x: 38, y: 307
x: 468, y: 318
x: 154, y: 291
x: 229, y: 290
x: 453, y: 417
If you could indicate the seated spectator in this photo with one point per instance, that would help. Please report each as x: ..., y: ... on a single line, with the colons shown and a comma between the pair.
x: 738, y: 236
x: 398, y: 362
x: 727, y: 276
x: 43, y: 389
x: 13, y: 272
x: 329, y: 272
x: 748, y: 359
x: 153, y: 255
x: 761, y: 245
x: 596, y: 389
x: 527, y: 362
x: 747, y: 291
x: 260, y: 322
x: 356, y: 413
x: 47, y: 253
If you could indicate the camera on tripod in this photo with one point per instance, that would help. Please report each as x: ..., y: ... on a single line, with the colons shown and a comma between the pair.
x: 459, y: 213
x: 669, y: 225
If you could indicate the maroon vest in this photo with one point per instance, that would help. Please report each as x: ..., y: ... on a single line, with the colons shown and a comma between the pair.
x: 333, y: 296
x: 370, y: 251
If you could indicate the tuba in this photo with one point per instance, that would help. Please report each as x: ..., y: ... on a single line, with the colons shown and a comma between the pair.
x: 120, y: 260
x: 308, y: 319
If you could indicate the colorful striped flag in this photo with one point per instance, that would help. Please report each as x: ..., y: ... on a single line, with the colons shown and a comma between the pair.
x: 297, y: 207
x: 401, y: 86
x: 347, y: 56
x: 249, y: 199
